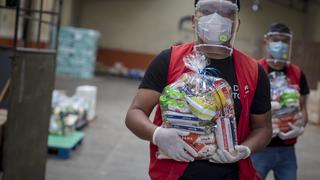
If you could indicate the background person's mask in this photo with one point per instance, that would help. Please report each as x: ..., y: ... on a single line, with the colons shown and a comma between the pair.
x: 279, y: 50
x: 214, y: 29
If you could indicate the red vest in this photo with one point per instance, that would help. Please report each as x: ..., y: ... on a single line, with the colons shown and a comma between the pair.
x: 294, y: 75
x: 247, y: 75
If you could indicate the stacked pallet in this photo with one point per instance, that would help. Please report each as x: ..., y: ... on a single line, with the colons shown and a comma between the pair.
x: 62, y: 147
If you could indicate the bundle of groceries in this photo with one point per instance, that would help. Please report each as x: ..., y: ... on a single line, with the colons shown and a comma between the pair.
x: 202, y: 104
x: 67, y: 113
x: 284, y: 101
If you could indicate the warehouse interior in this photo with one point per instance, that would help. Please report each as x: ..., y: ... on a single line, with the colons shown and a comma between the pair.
x: 84, y: 60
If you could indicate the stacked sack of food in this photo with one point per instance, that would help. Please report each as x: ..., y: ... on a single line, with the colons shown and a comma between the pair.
x: 202, y: 105
x: 68, y: 113
x: 284, y: 101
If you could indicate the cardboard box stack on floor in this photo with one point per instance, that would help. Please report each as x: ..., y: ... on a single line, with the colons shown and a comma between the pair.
x: 313, y: 105
x: 77, y: 52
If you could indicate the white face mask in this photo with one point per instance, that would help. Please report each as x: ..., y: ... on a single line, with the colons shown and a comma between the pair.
x: 214, y: 29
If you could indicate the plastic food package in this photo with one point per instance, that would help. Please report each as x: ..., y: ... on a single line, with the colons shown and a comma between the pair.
x: 204, y: 145
x: 67, y: 113
x: 199, y: 139
x: 187, y: 122
x: 202, y: 108
x: 201, y: 104
x: 226, y: 134
x: 174, y: 100
x: 204, y: 151
x: 88, y: 93
x: 284, y: 101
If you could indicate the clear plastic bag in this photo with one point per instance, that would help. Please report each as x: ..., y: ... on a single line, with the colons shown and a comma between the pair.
x: 285, y: 101
x: 201, y: 104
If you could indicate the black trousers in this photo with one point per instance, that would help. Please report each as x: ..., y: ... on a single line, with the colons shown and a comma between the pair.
x: 205, y: 170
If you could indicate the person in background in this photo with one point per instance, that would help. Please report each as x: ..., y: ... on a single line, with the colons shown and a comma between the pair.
x: 216, y: 23
x: 279, y: 156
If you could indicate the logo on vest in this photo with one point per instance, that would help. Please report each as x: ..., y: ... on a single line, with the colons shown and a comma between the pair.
x: 235, y: 92
x: 246, y: 90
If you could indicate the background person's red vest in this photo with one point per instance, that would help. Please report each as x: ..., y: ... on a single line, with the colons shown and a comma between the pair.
x: 294, y: 76
x: 247, y: 75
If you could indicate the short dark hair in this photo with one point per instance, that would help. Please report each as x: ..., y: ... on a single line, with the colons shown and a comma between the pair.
x: 234, y: 1
x: 279, y: 28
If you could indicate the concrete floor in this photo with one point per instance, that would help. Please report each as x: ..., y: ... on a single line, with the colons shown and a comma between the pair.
x: 110, y: 151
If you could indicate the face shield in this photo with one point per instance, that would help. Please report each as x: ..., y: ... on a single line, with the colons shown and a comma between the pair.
x: 216, y: 23
x: 279, y: 47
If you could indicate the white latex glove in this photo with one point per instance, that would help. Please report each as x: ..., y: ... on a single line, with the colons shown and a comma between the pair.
x: 275, y: 127
x: 295, y: 131
x: 169, y: 141
x: 224, y: 157
x: 275, y: 132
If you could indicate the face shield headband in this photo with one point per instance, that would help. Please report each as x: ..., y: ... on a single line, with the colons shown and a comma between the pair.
x: 216, y: 26
x: 279, y: 51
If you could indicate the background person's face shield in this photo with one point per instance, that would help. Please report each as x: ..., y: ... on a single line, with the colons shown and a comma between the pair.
x: 216, y: 24
x: 279, y: 47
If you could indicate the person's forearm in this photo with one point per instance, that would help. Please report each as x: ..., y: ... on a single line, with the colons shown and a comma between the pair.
x: 261, y: 132
x: 304, y: 117
x: 258, y: 139
x: 138, y: 122
x: 303, y: 106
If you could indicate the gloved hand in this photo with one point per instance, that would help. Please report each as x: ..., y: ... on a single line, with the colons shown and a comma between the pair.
x: 275, y: 127
x: 296, y: 130
x: 169, y: 141
x: 224, y: 157
x: 275, y: 132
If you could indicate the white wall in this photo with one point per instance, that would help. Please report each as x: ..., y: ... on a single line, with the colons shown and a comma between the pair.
x: 135, y: 25
x: 151, y: 25
x: 67, y: 12
x: 254, y: 24
x: 313, y: 19
x: 7, y: 23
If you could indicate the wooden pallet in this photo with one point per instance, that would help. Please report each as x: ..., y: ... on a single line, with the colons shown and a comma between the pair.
x: 63, y: 146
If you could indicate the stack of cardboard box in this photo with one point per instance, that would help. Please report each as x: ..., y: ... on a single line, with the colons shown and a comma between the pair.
x: 76, y: 55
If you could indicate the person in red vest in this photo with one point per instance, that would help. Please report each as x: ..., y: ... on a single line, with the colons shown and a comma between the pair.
x: 215, y: 23
x: 279, y: 155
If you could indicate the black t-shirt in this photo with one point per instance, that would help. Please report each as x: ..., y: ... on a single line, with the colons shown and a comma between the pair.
x: 156, y: 79
x: 304, y: 90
